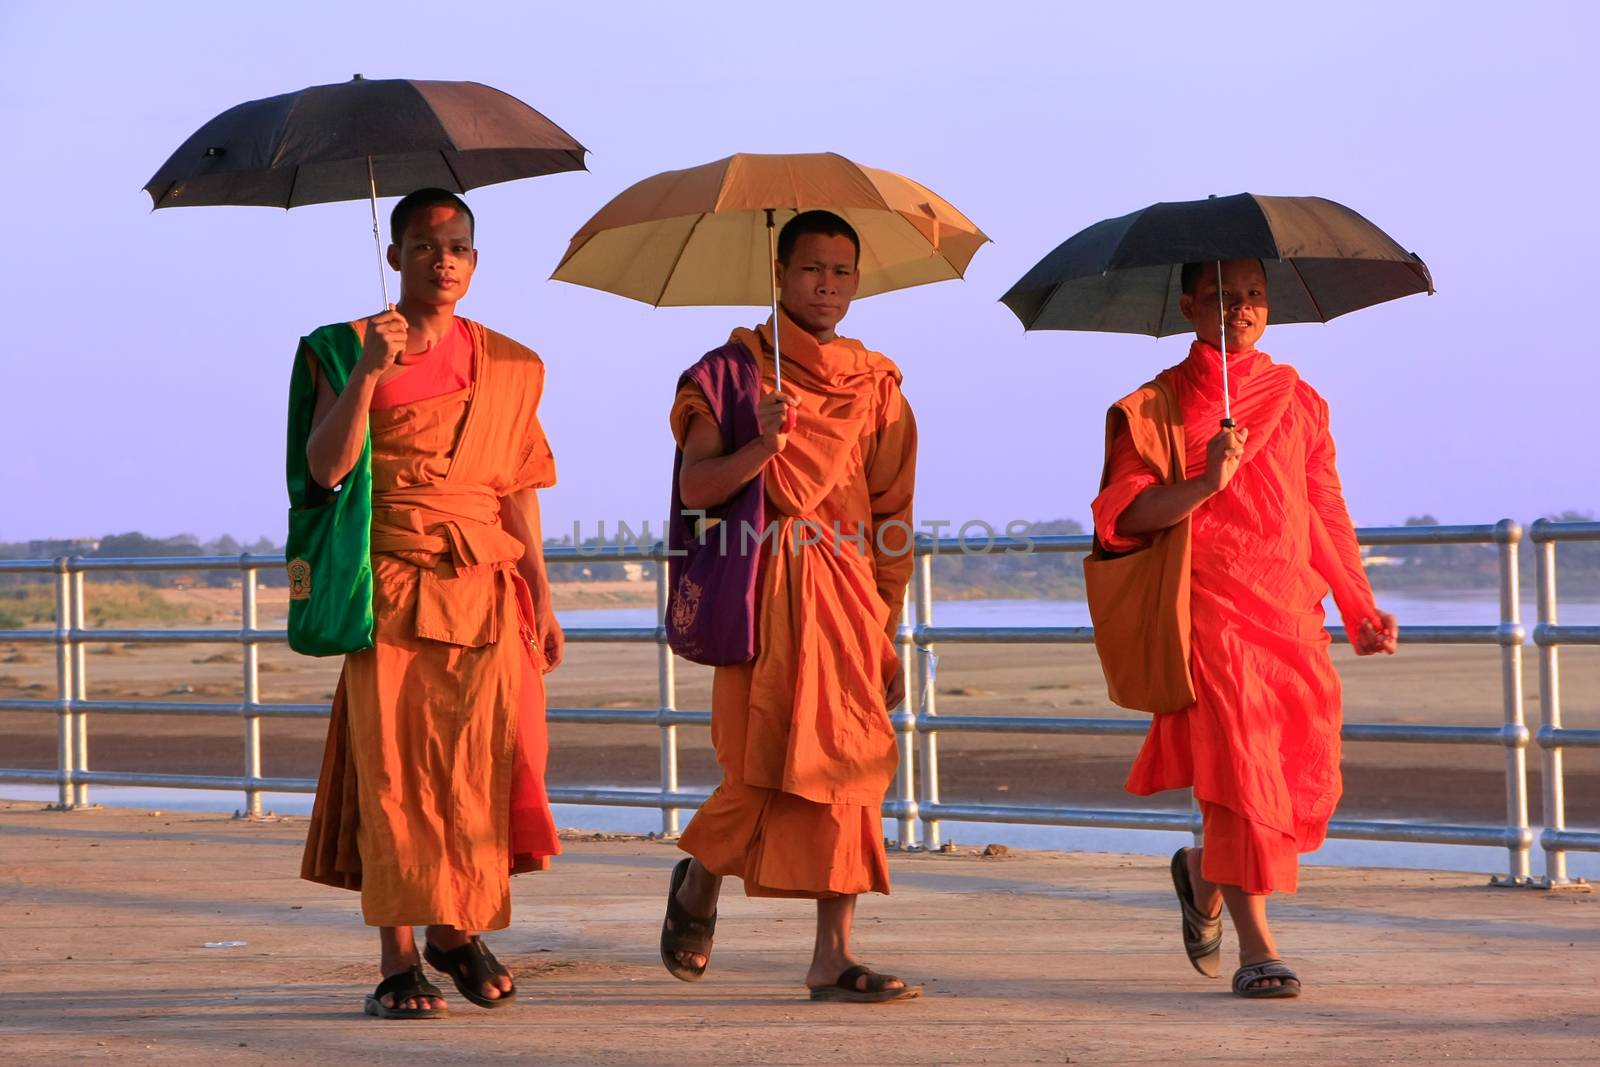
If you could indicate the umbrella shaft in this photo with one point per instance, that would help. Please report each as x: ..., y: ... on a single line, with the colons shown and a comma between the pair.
x: 377, y: 237
x: 1222, y: 344
x: 772, y: 274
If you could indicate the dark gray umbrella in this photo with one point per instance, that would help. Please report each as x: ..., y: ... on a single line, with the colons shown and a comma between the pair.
x: 360, y: 140
x: 1321, y: 259
x: 1121, y: 275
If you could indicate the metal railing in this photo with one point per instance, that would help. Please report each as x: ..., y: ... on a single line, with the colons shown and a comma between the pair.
x: 914, y: 801
x: 1514, y: 834
x: 1553, y: 737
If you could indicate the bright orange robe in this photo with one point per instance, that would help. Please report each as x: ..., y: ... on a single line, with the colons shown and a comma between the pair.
x: 1260, y: 745
x: 432, y: 788
x: 802, y: 734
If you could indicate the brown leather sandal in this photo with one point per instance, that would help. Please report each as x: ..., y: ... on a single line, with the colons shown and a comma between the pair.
x: 682, y: 932
x: 848, y: 988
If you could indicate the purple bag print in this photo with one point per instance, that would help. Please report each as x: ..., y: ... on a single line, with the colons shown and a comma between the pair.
x: 712, y: 571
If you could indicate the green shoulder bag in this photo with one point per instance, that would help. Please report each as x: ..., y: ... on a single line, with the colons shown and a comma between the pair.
x: 329, y: 551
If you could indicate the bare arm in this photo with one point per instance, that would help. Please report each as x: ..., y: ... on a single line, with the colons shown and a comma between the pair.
x: 339, y: 421
x: 1335, y: 552
x: 1161, y: 506
x: 709, y: 477
x: 519, y: 513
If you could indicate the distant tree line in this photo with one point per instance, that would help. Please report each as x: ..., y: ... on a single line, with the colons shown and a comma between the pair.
x: 142, y: 546
x: 979, y: 571
x: 1449, y: 568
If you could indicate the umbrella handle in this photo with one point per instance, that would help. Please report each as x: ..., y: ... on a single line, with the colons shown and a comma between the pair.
x: 377, y: 239
x: 772, y: 276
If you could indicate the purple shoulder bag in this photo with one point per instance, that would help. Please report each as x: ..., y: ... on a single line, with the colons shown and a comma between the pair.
x: 713, y: 567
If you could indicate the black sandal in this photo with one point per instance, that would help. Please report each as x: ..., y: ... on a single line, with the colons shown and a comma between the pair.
x: 407, y: 985
x: 1246, y: 977
x: 877, y: 991
x: 1202, y: 933
x: 471, y: 967
x: 682, y: 932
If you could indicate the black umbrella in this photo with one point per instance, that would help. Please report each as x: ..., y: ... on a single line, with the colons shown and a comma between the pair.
x: 1321, y: 259
x: 362, y: 139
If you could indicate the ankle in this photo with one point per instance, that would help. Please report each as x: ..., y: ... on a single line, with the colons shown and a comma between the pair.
x: 446, y: 937
x: 700, y: 889
x: 1257, y: 951
x: 829, y: 965
x: 397, y: 962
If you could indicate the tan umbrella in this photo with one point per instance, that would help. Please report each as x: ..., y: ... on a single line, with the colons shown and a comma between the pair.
x: 706, y: 235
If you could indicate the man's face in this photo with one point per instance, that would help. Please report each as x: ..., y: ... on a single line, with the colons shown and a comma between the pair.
x: 1244, y: 304
x: 818, y: 283
x: 435, y: 256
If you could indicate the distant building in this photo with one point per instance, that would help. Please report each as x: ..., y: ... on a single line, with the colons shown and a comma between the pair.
x: 77, y: 546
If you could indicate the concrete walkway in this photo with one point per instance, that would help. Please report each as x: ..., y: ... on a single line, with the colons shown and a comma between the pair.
x: 1028, y: 958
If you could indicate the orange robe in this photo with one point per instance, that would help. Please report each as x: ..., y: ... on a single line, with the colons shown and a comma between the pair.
x: 1260, y: 745
x: 432, y: 788
x: 802, y: 734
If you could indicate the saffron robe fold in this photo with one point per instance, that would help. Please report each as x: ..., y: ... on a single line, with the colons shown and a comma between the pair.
x: 1260, y: 745
x: 432, y: 787
x: 802, y: 734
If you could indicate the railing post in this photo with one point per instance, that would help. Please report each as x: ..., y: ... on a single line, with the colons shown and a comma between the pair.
x: 66, y: 751
x: 927, y: 706
x: 249, y: 621
x: 667, y: 692
x: 1508, y: 534
x: 1551, y: 771
x: 904, y: 720
x: 80, y: 687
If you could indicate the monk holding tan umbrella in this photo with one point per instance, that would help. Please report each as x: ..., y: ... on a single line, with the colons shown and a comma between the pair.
x: 792, y: 510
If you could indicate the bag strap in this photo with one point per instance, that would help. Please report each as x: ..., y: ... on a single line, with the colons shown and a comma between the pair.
x: 1170, y: 417
x: 1177, y: 456
x: 337, y: 348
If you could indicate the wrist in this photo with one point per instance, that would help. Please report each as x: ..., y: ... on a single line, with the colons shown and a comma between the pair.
x: 365, y: 375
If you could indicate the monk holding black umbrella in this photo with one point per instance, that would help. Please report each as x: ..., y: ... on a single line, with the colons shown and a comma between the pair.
x: 1236, y: 534
x: 415, y: 456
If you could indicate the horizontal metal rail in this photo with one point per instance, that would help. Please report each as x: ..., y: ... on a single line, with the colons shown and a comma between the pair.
x: 915, y: 798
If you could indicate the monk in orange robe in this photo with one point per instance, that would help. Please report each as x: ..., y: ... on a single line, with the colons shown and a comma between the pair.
x: 1271, y: 536
x: 432, y: 789
x: 802, y: 733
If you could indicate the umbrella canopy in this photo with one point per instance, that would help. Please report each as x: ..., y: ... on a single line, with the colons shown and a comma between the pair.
x: 1322, y: 260
x: 316, y: 145
x: 702, y: 236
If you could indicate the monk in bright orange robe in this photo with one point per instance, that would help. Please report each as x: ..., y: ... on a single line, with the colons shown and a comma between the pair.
x: 1271, y: 537
x: 802, y: 734
x: 432, y: 789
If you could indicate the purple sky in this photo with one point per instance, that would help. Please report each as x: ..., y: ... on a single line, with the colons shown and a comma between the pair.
x: 147, y: 369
